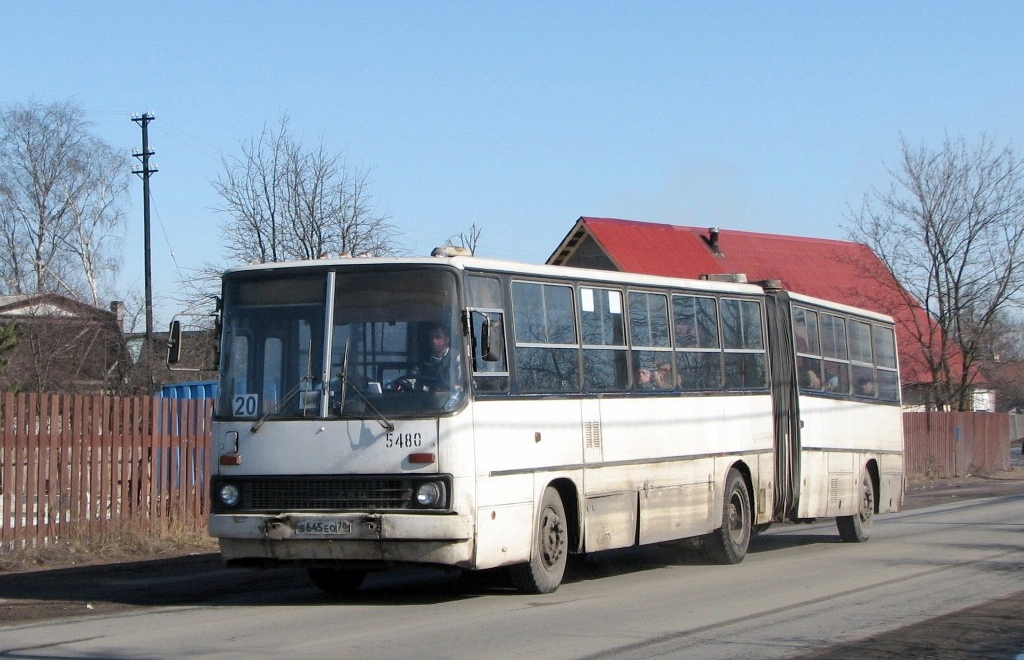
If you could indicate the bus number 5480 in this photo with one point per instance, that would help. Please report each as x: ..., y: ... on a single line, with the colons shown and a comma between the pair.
x: 404, y: 440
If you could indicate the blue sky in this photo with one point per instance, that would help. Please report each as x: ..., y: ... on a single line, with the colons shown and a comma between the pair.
x: 521, y: 117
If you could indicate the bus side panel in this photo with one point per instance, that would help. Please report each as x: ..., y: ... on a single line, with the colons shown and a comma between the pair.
x: 673, y: 512
x: 610, y: 521
x: 667, y: 449
x: 764, y: 489
x: 839, y: 438
x: 503, y: 534
x: 520, y: 444
x: 892, y: 483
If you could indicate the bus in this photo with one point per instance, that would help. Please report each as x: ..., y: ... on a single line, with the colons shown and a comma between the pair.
x: 473, y: 413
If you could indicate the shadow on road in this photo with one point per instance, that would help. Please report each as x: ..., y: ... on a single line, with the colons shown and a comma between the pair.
x: 203, y: 580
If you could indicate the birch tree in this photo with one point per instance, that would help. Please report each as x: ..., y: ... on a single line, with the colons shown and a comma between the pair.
x: 63, y: 198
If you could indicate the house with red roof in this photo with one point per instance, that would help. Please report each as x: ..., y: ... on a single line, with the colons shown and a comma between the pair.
x: 841, y: 271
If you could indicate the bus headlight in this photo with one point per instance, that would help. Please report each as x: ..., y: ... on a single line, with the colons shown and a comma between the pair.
x: 429, y: 494
x: 228, y: 495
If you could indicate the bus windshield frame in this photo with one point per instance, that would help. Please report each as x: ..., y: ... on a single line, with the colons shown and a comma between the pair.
x: 354, y: 343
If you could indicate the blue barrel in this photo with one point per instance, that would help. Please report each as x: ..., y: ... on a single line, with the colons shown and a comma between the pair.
x: 200, y: 389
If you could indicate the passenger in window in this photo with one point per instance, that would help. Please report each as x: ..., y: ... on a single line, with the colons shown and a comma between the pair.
x: 866, y: 387
x: 656, y: 377
x: 663, y: 376
x: 809, y: 373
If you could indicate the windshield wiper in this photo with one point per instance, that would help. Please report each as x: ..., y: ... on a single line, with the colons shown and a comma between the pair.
x: 308, y: 379
x: 289, y: 395
x: 345, y: 382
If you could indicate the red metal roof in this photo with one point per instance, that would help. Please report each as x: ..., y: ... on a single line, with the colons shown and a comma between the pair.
x: 841, y: 271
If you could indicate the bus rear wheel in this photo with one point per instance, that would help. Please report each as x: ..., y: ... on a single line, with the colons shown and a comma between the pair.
x: 728, y: 544
x: 857, y: 528
x: 543, y: 573
x: 337, y: 581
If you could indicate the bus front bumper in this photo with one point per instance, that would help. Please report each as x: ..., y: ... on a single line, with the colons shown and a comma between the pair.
x: 364, y: 537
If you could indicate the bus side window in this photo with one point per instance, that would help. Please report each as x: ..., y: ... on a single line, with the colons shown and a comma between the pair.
x: 546, y: 344
x: 885, y: 361
x: 649, y: 335
x: 743, y: 341
x: 862, y: 367
x: 490, y: 365
x: 604, y: 340
x: 808, y: 361
x: 487, y: 333
x: 837, y: 360
x: 698, y: 349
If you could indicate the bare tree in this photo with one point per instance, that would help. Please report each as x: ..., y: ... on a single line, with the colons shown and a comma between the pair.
x: 951, y: 230
x: 286, y: 201
x: 469, y: 239
x: 63, y: 195
x: 1004, y: 340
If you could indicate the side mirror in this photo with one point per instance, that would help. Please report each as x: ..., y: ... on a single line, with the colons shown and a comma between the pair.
x: 490, y: 340
x: 174, y: 343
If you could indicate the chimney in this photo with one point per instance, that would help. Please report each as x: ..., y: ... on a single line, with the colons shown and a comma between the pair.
x: 713, y: 240
x: 117, y: 307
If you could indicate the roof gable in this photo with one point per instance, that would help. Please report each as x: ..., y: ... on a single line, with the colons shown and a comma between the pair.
x: 50, y: 305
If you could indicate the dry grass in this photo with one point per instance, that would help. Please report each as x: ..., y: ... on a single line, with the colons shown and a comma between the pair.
x: 123, y: 544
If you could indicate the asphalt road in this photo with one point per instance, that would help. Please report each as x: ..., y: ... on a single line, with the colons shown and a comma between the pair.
x: 181, y: 607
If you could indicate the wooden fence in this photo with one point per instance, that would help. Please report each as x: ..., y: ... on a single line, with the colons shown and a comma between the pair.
x: 955, y: 444
x: 74, y: 467
x: 1016, y: 428
x: 81, y: 467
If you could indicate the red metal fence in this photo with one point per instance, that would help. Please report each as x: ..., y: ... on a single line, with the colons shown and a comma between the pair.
x: 955, y: 444
x: 75, y: 466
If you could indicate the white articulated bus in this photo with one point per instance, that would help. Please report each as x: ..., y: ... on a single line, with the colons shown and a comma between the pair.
x: 474, y: 413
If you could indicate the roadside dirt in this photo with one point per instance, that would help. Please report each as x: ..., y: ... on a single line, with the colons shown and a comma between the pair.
x: 929, y: 492
x: 89, y: 586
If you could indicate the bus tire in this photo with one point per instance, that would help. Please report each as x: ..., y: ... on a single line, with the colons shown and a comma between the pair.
x: 337, y: 581
x: 543, y: 573
x: 728, y: 544
x: 857, y: 528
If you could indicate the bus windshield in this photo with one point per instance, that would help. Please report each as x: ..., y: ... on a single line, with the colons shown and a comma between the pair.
x: 386, y: 343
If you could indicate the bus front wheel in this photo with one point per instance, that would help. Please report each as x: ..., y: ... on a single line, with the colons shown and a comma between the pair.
x: 857, y: 528
x: 543, y: 573
x: 728, y: 544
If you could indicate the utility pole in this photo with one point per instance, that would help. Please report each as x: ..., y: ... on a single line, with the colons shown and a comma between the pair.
x: 145, y: 172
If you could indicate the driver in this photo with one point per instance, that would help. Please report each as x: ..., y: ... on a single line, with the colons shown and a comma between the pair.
x: 437, y: 368
x: 435, y: 373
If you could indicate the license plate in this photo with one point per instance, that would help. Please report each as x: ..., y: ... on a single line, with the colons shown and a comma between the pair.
x: 321, y: 527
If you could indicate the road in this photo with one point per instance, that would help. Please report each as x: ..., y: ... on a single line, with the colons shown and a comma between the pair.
x: 799, y: 593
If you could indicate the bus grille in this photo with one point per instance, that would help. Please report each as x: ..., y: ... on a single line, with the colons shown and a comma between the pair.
x: 277, y: 494
x: 328, y: 494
